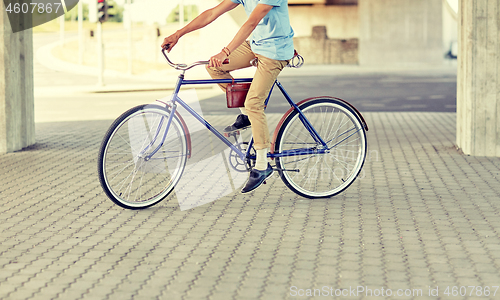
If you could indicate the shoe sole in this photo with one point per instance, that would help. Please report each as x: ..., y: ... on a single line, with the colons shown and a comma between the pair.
x: 230, y: 131
x: 270, y: 174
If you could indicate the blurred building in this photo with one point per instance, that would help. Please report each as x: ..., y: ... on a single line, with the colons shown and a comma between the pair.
x: 371, y: 32
x: 376, y: 32
x: 366, y: 32
x: 141, y: 10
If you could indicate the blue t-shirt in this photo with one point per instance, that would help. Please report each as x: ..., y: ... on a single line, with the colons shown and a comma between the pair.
x: 273, y: 36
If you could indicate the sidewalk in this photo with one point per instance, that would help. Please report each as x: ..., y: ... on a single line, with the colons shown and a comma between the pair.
x: 423, y: 217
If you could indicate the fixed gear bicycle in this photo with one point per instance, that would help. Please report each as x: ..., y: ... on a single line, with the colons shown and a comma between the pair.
x: 319, y: 146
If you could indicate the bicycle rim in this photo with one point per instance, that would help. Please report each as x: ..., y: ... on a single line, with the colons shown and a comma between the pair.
x: 322, y: 175
x: 128, y: 175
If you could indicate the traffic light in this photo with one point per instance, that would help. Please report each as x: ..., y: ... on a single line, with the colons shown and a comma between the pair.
x: 102, y: 11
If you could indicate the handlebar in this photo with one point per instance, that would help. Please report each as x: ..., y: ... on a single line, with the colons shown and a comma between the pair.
x: 184, y: 67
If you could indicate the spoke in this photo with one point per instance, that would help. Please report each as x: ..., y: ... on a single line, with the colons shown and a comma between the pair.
x: 299, y: 165
x: 290, y: 143
x: 126, y: 141
x: 348, y: 143
x: 343, y: 163
x: 334, y: 122
x: 290, y: 162
x: 140, y: 186
x: 166, y: 157
x: 345, y: 132
x: 124, y: 181
x: 119, y: 153
x: 119, y: 171
x: 345, y: 138
x: 129, y: 188
x: 313, y: 168
x: 336, y: 135
x: 331, y: 116
x: 300, y: 139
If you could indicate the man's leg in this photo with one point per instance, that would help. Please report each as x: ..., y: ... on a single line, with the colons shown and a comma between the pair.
x: 238, y: 59
x: 267, y: 72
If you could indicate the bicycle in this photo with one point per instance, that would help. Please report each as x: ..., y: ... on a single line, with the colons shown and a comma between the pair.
x: 319, y: 146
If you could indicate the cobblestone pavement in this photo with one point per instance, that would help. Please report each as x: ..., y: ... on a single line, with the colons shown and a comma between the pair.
x: 423, y: 218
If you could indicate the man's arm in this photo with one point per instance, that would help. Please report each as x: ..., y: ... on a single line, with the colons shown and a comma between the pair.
x: 200, y: 21
x: 246, y: 30
x: 259, y: 12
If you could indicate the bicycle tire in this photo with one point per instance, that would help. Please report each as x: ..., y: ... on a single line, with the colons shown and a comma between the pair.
x: 127, y: 176
x: 318, y: 176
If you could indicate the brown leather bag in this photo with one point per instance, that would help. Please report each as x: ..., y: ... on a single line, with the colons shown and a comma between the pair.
x: 236, y: 93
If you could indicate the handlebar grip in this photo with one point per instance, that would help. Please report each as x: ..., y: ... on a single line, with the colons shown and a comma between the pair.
x: 183, y: 66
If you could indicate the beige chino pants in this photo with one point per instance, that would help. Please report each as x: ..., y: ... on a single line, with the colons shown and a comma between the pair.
x: 267, y: 72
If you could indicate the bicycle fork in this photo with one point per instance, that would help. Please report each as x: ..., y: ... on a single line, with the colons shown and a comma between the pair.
x: 153, y: 141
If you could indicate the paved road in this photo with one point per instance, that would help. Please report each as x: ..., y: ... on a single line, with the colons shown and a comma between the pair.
x: 422, y: 219
x: 423, y: 216
x: 366, y: 92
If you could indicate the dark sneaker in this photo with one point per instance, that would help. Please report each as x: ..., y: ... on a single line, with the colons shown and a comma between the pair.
x: 241, y: 122
x: 256, y: 178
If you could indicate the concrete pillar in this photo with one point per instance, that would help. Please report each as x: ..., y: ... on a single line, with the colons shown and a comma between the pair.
x: 400, y: 32
x: 478, y: 84
x: 17, y: 122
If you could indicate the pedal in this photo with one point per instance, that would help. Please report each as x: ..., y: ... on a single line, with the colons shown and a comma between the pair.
x: 230, y: 134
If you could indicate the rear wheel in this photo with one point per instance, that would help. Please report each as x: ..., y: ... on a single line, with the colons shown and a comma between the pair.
x: 322, y: 175
x: 130, y: 174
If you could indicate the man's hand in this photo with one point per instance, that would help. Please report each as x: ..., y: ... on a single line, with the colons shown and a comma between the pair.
x: 170, y: 42
x: 217, y: 60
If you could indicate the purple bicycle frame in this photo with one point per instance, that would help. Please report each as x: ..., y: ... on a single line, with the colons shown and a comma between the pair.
x: 175, y: 99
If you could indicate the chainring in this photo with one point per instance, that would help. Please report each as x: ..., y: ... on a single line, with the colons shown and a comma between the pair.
x: 237, y: 163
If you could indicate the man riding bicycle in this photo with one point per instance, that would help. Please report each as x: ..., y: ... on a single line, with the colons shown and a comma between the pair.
x: 271, y: 43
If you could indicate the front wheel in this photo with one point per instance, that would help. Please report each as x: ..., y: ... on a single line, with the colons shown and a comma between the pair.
x: 321, y: 175
x: 139, y: 164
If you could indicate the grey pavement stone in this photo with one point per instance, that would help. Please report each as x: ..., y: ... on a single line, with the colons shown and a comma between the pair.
x: 424, y: 215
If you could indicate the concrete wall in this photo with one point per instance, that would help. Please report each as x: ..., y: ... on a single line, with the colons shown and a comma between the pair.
x: 318, y: 48
x: 478, y: 93
x: 341, y: 21
x: 17, y: 122
x: 400, y: 32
